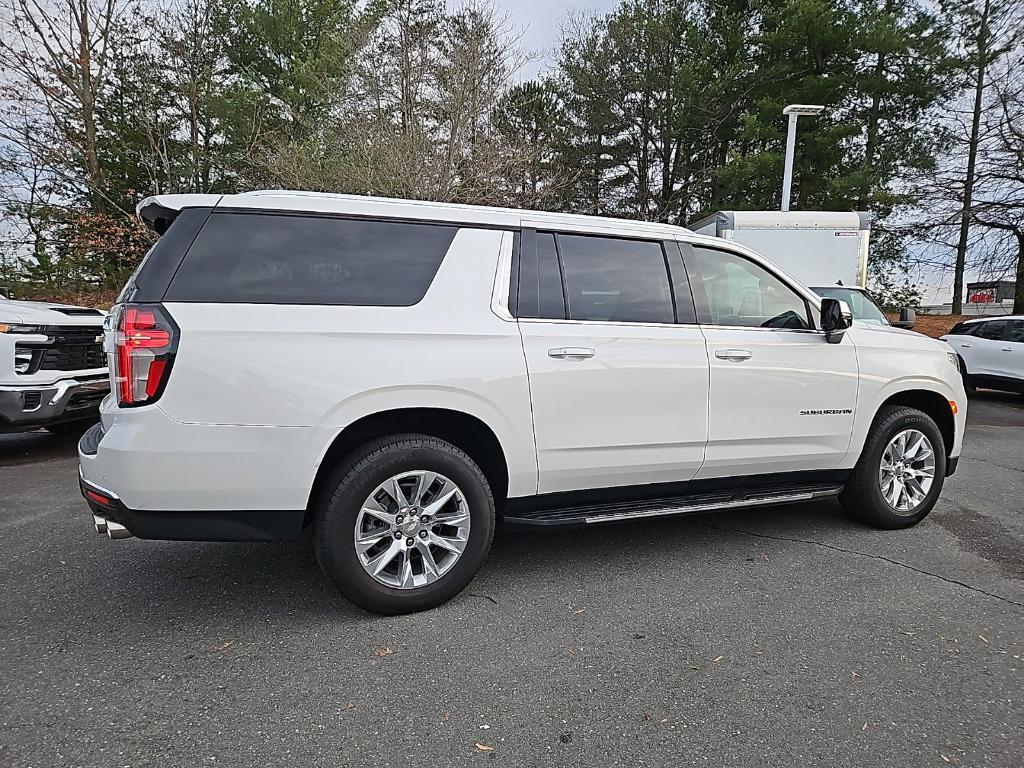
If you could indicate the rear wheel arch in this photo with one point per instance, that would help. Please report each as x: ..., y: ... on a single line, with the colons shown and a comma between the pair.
x: 466, y: 432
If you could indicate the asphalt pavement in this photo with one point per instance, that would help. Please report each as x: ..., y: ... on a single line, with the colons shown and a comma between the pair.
x: 789, y: 636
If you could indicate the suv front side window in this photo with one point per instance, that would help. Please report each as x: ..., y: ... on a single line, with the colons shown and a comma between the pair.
x: 963, y: 329
x: 730, y: 290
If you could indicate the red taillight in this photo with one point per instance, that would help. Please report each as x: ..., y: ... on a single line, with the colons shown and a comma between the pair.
x: 144, y: 349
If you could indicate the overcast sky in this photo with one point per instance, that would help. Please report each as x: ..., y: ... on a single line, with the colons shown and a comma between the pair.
x: 540, y: 20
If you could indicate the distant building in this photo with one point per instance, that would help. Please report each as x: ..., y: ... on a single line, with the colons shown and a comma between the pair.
x: 990, y: 291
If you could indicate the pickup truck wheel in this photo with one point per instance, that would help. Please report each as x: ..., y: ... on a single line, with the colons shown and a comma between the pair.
x: 900, y: 472
x: 404, y: 524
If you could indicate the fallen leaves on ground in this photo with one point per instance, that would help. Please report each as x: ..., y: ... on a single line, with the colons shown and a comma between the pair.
x: 225, y: 646
x: 717, y: 659
x: 483, y: 747
x: 382, y: 652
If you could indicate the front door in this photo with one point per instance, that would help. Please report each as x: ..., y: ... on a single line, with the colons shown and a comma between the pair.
x: 991, y: 353
x: 619, y: 385
x: 782, y: 399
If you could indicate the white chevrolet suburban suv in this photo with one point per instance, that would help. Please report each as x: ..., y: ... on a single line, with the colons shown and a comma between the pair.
x: 53, y: 371
x: 400, y: 376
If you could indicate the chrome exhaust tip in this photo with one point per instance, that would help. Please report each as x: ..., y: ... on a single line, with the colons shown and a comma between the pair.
x: 117, y: 531
x: 100, y: 523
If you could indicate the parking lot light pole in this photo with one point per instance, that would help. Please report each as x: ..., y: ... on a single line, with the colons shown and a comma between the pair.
x: 794, y: 111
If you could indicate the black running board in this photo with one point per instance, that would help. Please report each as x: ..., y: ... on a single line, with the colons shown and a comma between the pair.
x: 688, y: 504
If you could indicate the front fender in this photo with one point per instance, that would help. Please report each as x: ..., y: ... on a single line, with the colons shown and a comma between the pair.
x: 876, y: 391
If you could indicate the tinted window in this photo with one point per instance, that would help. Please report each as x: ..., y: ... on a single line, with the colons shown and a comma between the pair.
x: 615, y: 279
x: 730, y: 290
x: 277, y: 259
x: 540, y: 279
x: 964, y: 329
x: 1015, y: 332
x: 993, y: 330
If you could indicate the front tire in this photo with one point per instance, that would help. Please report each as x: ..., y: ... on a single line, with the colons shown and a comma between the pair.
x: 900, y: 472
x: 404, y: 524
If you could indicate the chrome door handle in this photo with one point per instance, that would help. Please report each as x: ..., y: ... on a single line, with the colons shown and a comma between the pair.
x: 1007, y: 349
x: 571, y: 353
x: 736, y: 355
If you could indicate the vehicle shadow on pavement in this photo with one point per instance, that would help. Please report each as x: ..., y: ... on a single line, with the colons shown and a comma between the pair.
x: 188, y: 583
x: 36, y: 446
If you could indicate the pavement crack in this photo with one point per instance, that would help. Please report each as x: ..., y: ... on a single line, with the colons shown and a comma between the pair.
x: 883, y: 558
x: 993, y: 463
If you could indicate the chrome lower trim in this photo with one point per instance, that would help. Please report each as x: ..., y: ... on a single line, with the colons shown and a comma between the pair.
x: 117, y: 531
x: 682, y: 509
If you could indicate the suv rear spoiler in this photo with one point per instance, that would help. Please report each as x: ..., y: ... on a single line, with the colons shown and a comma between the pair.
x: 159, y: 211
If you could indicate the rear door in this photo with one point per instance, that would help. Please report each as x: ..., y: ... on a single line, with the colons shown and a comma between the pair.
x: 618, y: 368
x: 1014, y: 349
x: 782, y: 399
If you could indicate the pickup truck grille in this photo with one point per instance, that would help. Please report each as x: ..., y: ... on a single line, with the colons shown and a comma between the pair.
x: 70, y: 349
x: 73, y: 358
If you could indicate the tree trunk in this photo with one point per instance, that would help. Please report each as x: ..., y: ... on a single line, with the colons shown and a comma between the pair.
x: 1018, y: 291
x: 874, y: 118
x: 972, y: 158
x: 89, y: 148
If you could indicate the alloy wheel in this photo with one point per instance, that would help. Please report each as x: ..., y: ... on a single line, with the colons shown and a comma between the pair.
x: 412, y: 529
x: 907, y: 470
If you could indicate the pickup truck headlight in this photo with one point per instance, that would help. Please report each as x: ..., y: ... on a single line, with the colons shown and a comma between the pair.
x: 10, y: 328
x: 954, y: 359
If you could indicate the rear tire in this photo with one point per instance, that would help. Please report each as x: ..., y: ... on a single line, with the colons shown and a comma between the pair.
x: 359, y: 480
x: 864, y: 496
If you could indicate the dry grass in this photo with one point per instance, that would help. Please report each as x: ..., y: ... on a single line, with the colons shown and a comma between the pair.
x: 936, y: 325
x: 96, y: 299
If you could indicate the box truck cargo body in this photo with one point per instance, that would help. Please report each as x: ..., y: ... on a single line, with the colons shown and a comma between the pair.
x: 815, y: 247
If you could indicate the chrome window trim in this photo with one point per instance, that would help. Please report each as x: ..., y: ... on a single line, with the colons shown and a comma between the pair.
x: 503, y: 279
x: 562, y: 321
x: 671, y: 325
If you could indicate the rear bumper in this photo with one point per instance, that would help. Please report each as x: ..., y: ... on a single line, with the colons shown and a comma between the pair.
x: 192, y: 525
x: 38, y: 405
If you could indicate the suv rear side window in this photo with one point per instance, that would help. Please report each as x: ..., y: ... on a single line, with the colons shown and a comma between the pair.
x: 262, y: 258
x: 1016, y: 331
x: 992, y: 330
x: 615, y: 279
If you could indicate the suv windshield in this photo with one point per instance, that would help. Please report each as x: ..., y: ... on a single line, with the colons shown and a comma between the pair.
x: 861, y: 303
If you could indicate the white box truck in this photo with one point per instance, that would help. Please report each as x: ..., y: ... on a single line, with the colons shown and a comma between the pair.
x: 815, y: 247
x: 825, y: 250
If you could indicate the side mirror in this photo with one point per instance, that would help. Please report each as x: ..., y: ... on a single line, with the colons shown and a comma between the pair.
x: 908, y: 318
x: 836, y: 317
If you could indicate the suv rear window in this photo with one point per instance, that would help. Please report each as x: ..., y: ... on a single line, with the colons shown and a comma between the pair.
x: 261, y: 258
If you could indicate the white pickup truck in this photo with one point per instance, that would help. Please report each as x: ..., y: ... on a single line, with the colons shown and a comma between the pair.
x: 53, y: 371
